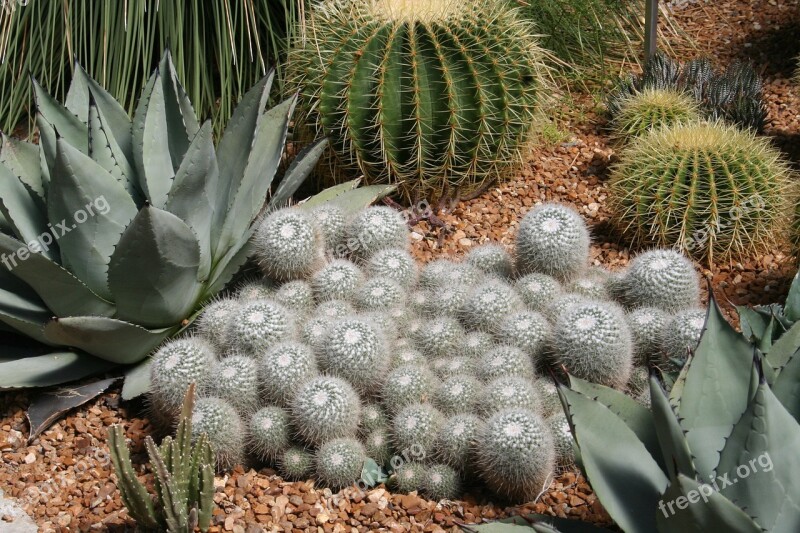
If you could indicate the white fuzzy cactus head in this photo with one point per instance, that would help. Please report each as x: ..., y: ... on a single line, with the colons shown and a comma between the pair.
x: 284, y: 368
x: 681, y: 334
x: 325, y: 408
x: 376, y: 294
x: 288, y: 245
x: 339, y: 462
x: 269, y: 432
x: 661, y: 278
x: 296, y: 463
x: 647, y: 327
x: 336, y: 280
x: 355, y: 350
x: 562, y: 439
x: 331, y: 221
x: 220, y: 422
x: 537, y: 290
x: 376, y: 228
x: 175, y: 366
x: 235, y: 379
x: 255, y: 289
x: 491, y: 258
x: 405, y: 385
x: 296, y: 295
x: 395, y: 264
x: 527, y: 330
x: 441, y: 482
x: 505, y: 360
x: 487, y: 304
x: 476, y: 343
x: 455, y: 439
x: 213, y: 321
x: 415, y: 427
x: 459, y: 393
x: 257, y: 326
x: 552, y: 239
x: 440, y: 336
x: 507, y: 392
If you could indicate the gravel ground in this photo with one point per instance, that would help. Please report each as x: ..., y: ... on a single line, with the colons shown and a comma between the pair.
x: 63, y: 478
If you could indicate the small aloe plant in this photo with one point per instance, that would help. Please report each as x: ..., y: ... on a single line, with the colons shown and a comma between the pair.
x: 184, y: 478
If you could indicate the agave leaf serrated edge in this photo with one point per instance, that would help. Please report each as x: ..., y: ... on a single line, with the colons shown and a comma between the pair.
x: 106, y: 152
x: 22, y: 158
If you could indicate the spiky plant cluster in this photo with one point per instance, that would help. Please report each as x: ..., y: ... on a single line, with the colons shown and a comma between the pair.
x: 331, y: 221
x: 436, y: 128
x: 438, y: 365
x: 652, y: 109
x: 562, y: 439
x: 708, y: 189
x: 734, y: 94
x: 376, y: 228
x: 255, y: 289
x: 224, y: 428
x: 681, y: 335
x: 288, y: 244
x: 552, y: 239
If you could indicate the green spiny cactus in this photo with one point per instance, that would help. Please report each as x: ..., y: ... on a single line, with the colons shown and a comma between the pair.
x: 175, y: 366
x: 562, y: 439
x: 184, y: 478
x: 340, y: 462
x: 378, y: 294
x: 372, y: 417
x: 337, y: 280
x: 681, y: 335
x: 405, y: 385
x: 506, y: 392
x: 269, y: 432
x: 283, y: 369
x: 258, y: 325
x: 593, y: 341
x: 407, y: 356
x: 491, y: 258
x: 395, y: 264
x: 324, y: 408
x: 439, y: 337
x: 660, y: 278
x: 314, y: 330
x: 458, y: 393
x: 296, y: 463
x: 377, y: 445
x: 335, y: 308
x: 515, y: 454
x: 487, y: 304
x: 436, y: 96
x: 376, y: 228
x: 562, y: 303
x: 527, y: 330
x: 355, y: 350
x: 476, y: 343
x: 235, y: 380
x: 408, y: 477
x: 331, y: 221
x: 537, y: 290
x: 652, y: 109
x: 454, y: 442
x: 592, y: 284
x: 647, y: 326
x: 415, y: 427
x: 213, y: 320
x: 552, y: 239
x: 255, y: 289
x: 448, y: 301
x: 441, y: 482
x: 296, y: 295
x: 288, y: 245
x: 548, y: 394
x: 449, y: 366
x: 505, y: 360
x: 221, y: 424
x: 708, y: 189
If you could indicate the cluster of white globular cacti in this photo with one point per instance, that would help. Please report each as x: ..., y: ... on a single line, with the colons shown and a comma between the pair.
x: 348, y: 350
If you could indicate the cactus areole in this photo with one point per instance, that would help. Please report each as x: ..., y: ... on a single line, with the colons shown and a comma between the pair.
x: 438, y: 96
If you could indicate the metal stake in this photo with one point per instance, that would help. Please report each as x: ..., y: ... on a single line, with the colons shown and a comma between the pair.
x: 650, y: 28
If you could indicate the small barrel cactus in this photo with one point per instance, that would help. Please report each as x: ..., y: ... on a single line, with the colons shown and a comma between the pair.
x: 213, y: 321
x: 487, y: 304
x: 408, y: 477
x: 355, y: 350
x: 335, y: 308
x: 224, y: 428
x: 269, y: 433
x: 296, y: 295
x: 296, y: 463
x: 377, y: 445
x: 372, y: 418
x: 491, y: 258
x: 562, y: 439
x: 652, y: 109
x: 414, y: 429
x: 548, y: 395
x: 395, y: 264
x: 255, y: 289
x: 337, y: 280
x: 376, y: 228
x: 258, y: 325
x: 563, y: 303
x: 325, y: 408
x: 661, y: 278
x: 331, y: 221
x: 647, y: 326
x: 451, y: 123
x: 340, y: 462
x: 515, y: 454
x: 449, y: 366
x: 509, y: 392
x: 441, y: 482
x: 537, y: 290
x: 476, y: 343
x: 459, y: 393
x: 455, y: 439
x: 681, y: 335
x: 288, y: 245
x: 378, y: 294
x: 448, y: 273
x: 314, y: 330
x: 552, y: 239
x: 593, y: 341
x: 505, y: 360
x: 440, y: 336
x: 407, y: 356
x: 235, y: 380
x: 527, y: 330
x: 709, y: 189
x: 592, y: 284
x: 448, y: 300
x: 175, y: 366
x: 638, y: 382
x: 406, y: 385
x: 283, y: 369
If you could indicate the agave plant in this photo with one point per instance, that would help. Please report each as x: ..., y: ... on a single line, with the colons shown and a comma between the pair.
x: 115, y: 231
x: 765, y: 324
x: 716, y: 453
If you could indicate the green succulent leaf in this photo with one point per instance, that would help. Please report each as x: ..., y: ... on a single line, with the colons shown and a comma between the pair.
x: 137, y: 380
x: 262, y: 164
x: 784, y: 348
x: 151, y: 148
x: 762, y: 461
x: 702, y: 509
x: 792, y: 307
x: 627, y: 480
x: 50, y: 369
x: 119, y: 123
x: 47, y: 149
x: 24, y: 312
x: 787, y: 386
x: 229, y: 265
x: 77, y: 187
x: 63, y: 293
x: 329, y: 194
x: 153, y: 271
x: 107, y: 338
x: 62, y: 120
x: 349, y: 199
x: 22, y: 159
x: 714, y: 394
x: 752, y: 322
x: 193, y: 197
x: 674, y: 449
x: 302, y: 165
x: 105, y: 150
x: 637, y: 417
x: 77, y: 101
x: 20, y: 209
x: 180, y: 116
